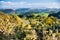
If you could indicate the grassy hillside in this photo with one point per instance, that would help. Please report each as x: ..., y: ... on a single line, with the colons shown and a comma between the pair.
x: 33, y: 27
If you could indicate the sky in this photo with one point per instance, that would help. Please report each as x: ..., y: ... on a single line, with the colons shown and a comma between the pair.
x: 15, y: 4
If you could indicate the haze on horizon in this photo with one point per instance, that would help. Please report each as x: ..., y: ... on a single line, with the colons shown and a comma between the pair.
x: 15, y: 4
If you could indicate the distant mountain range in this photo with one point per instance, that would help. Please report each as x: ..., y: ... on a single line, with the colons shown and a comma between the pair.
x: 7, y: 10
x: 29, y: 10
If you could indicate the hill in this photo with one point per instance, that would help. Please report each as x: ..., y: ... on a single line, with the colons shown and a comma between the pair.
x: 8, y: 22
x: 55, y: 15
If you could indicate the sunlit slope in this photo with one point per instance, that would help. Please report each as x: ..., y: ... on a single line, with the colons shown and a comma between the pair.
x: 45, y: 14
x: 8, y: 22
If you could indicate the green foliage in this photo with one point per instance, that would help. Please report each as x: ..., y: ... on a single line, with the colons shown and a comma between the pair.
x: 31, y: 27
x: 21, y: 35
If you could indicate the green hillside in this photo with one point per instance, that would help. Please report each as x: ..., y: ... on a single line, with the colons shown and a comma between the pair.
x: 33, y: 27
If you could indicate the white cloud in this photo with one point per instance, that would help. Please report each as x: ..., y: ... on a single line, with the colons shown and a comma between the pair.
x: 14, y: 5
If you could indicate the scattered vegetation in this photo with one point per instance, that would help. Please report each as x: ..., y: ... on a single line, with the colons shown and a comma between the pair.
x: 29, y: 27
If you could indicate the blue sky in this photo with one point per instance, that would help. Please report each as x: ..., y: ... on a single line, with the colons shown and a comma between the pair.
x: 33, y: 0
x: 14, y: 4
